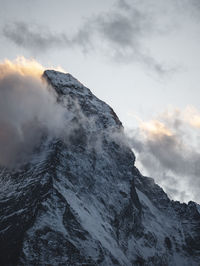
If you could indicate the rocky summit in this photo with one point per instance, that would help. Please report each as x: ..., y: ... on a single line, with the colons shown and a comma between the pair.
x: 80, y: 200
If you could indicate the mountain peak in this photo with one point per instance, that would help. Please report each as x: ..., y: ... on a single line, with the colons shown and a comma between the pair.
x: 81, y: 200
x: 61, y: 81
x: 66, y: 85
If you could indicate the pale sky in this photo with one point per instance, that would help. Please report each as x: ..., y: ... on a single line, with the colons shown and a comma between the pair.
x: 141, y: 57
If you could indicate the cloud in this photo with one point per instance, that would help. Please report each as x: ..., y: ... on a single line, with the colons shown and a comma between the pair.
x: 28, y: 109
x: 189, y: 7
x: 122, y: 36
x: 39, y: 39
x: 22, y: 67
x: 118, y: 33
x: 168, y: 150
x: 33, y: 37
x: 192, y: 116
x: 123, y: 4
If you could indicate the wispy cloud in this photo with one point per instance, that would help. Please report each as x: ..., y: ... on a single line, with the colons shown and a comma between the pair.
x: 168, y: 150
x: 119, y: 33
x: 122, y: 33
x: 32, y: 37
x: 40, y: 39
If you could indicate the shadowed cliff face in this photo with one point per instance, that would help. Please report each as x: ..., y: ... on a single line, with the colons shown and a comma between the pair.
x: 81, y: 201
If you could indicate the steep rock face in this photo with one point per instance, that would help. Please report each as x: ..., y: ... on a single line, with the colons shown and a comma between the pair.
x: 173, y: 227
x: 81, y: 201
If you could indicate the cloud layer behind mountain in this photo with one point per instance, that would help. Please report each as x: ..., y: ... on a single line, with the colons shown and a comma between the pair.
x: 167, y: 149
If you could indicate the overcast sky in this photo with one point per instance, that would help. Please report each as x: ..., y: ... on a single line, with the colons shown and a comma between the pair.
x: 141, y: 57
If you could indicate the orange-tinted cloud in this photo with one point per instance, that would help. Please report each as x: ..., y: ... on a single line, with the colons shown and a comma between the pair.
x: 21, y: 66
x: 28, y: 108
x: 154, y: 128
x: 167, y: 149
x: 192, y: 116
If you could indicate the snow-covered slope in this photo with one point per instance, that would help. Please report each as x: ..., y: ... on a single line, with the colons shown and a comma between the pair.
x: 81, y: 201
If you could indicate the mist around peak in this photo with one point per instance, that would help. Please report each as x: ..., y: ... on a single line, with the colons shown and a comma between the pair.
x: 28, y: 109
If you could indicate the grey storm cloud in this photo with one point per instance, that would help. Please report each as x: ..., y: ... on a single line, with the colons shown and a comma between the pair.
x: 117, y: 33
x: 171, y: 160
